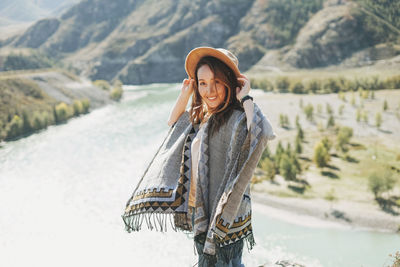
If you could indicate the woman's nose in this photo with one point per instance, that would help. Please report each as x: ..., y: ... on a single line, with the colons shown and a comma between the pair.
x: 211, y: 88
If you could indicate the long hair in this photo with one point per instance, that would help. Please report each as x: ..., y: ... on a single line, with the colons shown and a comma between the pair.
x: 222, y: 113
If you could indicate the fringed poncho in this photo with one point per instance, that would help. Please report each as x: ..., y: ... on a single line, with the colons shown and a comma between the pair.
x: 226, y: 165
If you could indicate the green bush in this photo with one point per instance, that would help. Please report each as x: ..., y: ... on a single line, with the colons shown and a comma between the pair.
x: 378, y: 120
x: 321, y: 156
x: 331, y: 86
x: 103, y: 84
x: 297, y: 88
x: 116, y: 93
x: 331, y: 122
x: 284, y: 121
x: 286, y: 168
x: 15, y: 127
x: 268, y: 166
x: 85, y: 105
x: 78, y: 107
x: 282, y: 84
x: 63, y: 112
x: 309, y: 111
x: 314, y: 86
x: 343, y: 137
x: 380, y: 182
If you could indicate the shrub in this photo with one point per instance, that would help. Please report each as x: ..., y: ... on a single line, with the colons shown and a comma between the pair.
x: 332, y: 85
x: 103, y: 84
x: 63, y: 112
x: 298, y: 147
x: 282, y: 84
x: 78, y: 107
x: 343, y: 137
x: 300, y: 133
x: 378, y: 120
x: 321, y: 156
x: 331, y: 122
x: 268, y: 166
x: 309, y: 110
x: 85, y: 105
x: 15, y: 127
x: 385, y: 105
x: 381, y: 182
x: 284, y: 120
x: 297, y: 88
x: 38, y: 122
x: 327, y: 143
x: 313, y: 86
x: 287, y: 168
x: 329, y: 109
x: 116, y: 93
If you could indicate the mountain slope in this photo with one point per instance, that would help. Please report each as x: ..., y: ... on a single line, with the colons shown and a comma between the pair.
x: 145, y: 41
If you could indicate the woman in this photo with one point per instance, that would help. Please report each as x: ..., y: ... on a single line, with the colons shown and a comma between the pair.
x: 200, y: 175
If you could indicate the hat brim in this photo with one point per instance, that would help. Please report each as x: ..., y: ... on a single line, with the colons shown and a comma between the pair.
x: 196, y: 54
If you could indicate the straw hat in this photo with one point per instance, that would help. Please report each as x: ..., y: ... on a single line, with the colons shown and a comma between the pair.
x: 224, y: 55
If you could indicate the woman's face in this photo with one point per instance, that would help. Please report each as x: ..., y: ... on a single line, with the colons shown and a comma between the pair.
x: 211, y: 89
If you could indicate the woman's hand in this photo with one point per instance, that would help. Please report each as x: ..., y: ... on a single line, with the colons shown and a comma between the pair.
x: 245, y: 87
x: 187, y: 87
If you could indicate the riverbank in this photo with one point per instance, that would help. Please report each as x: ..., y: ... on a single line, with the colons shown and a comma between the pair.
x: 338, y: 195
x: 321, y: 213
x: 32, y: 100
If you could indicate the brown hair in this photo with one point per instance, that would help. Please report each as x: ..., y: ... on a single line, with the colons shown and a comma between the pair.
x: 222, y: 113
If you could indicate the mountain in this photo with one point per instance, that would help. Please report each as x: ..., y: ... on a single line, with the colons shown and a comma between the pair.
x: 146, y: 41
x: 17, y: 11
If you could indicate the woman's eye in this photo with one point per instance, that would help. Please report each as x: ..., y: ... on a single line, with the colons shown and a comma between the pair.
x: 217, y: 81
x: 202, y: 83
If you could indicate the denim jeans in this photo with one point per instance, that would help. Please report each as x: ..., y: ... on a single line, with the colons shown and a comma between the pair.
x: 235, y: 262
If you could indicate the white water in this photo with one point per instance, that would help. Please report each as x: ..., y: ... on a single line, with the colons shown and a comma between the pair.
x: 62, y: 192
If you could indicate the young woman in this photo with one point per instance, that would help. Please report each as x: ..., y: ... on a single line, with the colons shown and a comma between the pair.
x: 201, y: 173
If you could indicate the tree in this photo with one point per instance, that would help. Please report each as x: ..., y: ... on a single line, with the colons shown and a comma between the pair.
x: 385, y: 105
x: 286, y: 168
x: 378, y: 120
x: 329, y: 109
x: 268, y: 166
x: 298, y: 147
x: 300, y: 133
x: 331, y: 121
x: 321, y: 156
x: 327, y: 143
x: 380, y: 182
x: 308, y: 110
x: 343, y: 137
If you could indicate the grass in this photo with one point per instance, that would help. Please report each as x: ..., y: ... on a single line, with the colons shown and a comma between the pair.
x: 346, y: 177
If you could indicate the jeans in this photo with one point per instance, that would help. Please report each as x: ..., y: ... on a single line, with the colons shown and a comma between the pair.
x: 234, y: 262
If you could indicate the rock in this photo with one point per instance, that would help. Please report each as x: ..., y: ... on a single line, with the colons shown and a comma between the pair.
x: 284, y: 263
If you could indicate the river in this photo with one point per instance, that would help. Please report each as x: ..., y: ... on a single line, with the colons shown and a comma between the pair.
x: 63, y: 190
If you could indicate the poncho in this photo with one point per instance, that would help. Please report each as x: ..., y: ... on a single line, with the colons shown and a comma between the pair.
x: 226, y: 165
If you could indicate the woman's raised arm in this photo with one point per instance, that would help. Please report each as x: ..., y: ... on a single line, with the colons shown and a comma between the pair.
x: 181, y: 102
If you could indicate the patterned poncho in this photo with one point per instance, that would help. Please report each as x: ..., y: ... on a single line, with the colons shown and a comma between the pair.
x: 226, y: 165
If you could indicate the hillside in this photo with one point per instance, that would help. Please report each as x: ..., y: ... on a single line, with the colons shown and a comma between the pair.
x: 30, y: 101
x: 140, y: 41
x: 17, y: 11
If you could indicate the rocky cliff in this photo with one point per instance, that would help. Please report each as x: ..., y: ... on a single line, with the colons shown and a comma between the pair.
x: 146, y: 41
